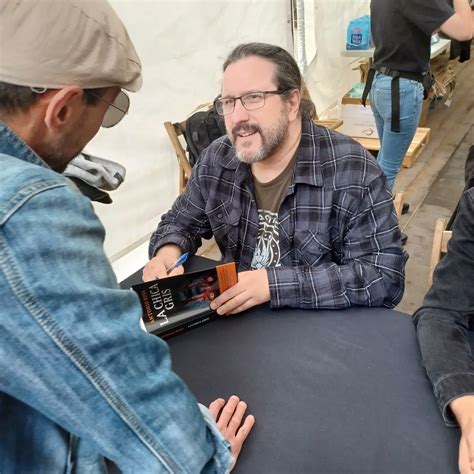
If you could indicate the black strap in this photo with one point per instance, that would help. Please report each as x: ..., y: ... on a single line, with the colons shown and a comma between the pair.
x: 395, y: 104
x: 368, y: 85
x: 387, y: 71
x: 395, y: 91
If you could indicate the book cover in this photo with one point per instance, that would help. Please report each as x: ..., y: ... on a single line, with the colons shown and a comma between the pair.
x: 175, y: 304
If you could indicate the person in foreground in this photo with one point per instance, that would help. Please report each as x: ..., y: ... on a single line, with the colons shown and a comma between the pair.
x: 304, y: 211
x: 442, y: 326
x: 78, y: 377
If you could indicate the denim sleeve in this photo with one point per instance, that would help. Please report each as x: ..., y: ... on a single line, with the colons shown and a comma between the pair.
x: 446, y: 355
x: 369, y: 270
x: 442, y: 323
x: 71, y: 346
x: 224, y: 447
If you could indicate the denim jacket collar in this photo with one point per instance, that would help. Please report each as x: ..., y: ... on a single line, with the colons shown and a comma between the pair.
x: 12, y: 145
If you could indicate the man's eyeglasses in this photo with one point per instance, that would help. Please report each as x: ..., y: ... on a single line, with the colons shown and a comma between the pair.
x: 250, y: 101
x: 117, y: 109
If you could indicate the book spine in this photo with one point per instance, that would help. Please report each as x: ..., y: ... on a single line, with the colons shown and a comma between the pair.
x: 226, y: 275
x: 187, y: 325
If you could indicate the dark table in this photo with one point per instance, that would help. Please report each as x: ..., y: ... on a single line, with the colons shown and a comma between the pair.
x: 332, y: 391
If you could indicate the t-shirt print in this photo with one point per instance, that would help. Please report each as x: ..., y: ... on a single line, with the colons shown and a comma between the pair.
x: 267, y: 251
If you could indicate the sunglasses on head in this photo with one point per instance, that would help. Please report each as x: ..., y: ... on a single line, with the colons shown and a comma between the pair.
x: 116, y: 110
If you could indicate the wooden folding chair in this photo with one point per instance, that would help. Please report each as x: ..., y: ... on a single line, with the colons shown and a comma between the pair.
x: 174, y: 131
x: 440, y: 245
x: 398, y: 203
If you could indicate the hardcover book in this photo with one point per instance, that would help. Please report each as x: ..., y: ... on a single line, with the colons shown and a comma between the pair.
x: 176, y: 304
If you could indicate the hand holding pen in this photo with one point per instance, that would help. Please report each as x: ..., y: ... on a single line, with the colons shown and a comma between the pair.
x: 178, y: 263
x: 168, y: 259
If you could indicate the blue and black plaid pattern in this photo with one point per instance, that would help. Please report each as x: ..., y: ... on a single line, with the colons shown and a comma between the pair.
x: 339, y: 236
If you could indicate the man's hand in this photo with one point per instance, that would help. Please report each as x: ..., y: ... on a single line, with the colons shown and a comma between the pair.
x: 463, y: 409
x: 229, y: 417
x: 251, y: 289
x: 164, y: 258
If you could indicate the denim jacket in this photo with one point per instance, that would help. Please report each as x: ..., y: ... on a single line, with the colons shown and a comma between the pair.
x: 78, y: 377
x: 447, y: 314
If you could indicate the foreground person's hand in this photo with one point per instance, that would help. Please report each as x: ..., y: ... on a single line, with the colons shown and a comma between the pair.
x: 228, y: 416
x: 463, y: 409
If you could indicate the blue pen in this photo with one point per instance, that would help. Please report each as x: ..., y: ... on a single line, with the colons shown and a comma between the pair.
x: 178, y: 262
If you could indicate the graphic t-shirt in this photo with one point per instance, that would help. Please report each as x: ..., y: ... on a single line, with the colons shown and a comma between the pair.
x: 269, y: 196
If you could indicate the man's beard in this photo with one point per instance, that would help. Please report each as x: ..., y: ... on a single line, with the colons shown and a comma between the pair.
x: 271, y: 140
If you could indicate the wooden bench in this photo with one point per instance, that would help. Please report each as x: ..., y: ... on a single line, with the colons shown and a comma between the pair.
x: 333, y: 124
x: 420, y: 140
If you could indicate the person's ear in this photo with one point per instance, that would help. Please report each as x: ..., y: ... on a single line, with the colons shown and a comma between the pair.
x: 64, y: 105
x: 294, y: 101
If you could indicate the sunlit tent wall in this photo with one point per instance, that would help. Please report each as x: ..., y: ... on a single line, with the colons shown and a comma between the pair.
x: 182, y: 45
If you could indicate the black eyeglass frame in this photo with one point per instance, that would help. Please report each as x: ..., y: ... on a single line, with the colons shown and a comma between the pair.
x: 219, y: 100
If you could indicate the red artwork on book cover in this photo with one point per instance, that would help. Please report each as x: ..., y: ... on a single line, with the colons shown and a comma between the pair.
x: 174, y: 304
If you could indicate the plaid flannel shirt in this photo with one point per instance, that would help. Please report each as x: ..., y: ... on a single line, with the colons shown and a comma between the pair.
x: 339, y: 236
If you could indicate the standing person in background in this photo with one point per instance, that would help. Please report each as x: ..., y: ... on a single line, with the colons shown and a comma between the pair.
x: 79, y: 379
x: 401, y: 32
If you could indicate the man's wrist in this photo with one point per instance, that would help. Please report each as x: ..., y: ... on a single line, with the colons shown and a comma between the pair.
x: 463, y: 408
x: 169, y: 249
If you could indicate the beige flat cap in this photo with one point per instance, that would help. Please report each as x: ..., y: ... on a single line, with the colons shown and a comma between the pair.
x: 56, y: 43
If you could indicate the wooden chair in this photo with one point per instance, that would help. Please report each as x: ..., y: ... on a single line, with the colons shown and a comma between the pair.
x: 174, y: 132
x: 398, y: 203
x: 440, y: 245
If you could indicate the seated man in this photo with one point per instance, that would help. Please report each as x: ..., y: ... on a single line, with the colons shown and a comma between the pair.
x: 78, y: 377
x: 306, y: 212
x: 442, y: 325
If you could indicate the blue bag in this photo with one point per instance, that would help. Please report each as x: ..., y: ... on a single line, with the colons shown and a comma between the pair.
x: 358, y: 33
